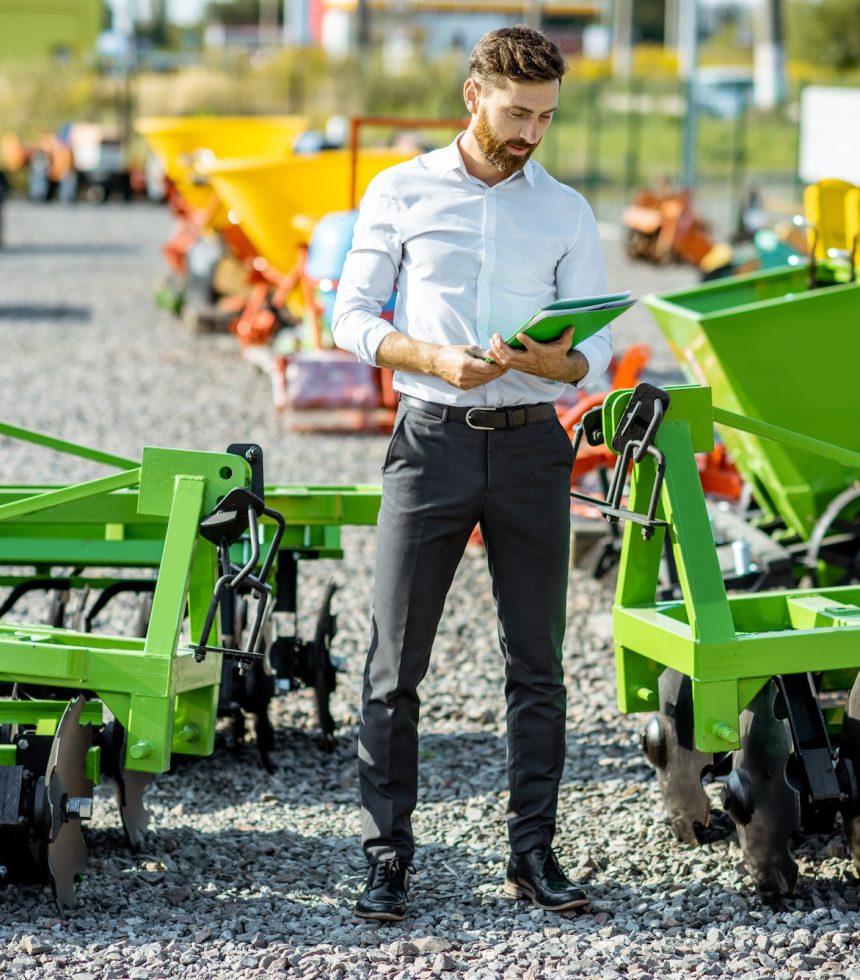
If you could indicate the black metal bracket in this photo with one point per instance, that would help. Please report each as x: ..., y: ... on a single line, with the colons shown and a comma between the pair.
x: 827, y: 782
x: 237, y: 514
x: 633, y: 440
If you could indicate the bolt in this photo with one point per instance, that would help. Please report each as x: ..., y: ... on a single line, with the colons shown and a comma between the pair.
x: 724, y: 732
x: 140, y: 750
x: 188, y: 733
x: 253, y: 454
x: 23, y: 744
x: 78, y: 807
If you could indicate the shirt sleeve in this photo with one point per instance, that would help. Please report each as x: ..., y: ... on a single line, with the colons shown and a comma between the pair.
x: 369, y: 273
x: 582, y: 272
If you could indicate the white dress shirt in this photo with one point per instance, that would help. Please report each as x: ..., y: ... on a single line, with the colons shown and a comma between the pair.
x: 468, y: 260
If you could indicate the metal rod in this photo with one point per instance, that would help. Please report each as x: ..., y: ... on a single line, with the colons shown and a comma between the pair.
x: 70, y: 448
x: 78, y: 491
x: 796, y: 440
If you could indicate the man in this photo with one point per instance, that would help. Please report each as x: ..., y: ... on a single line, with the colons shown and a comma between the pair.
x: 475, y: 237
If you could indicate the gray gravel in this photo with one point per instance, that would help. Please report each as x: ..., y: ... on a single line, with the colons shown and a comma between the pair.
x: 246, y: 874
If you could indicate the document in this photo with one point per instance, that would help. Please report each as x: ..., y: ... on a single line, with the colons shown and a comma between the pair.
x: 587, y: 314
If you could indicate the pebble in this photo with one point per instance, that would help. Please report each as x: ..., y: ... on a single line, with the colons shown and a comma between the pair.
x: 246, y: 873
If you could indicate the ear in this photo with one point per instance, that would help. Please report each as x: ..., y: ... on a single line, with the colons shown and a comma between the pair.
x: 472, y: 94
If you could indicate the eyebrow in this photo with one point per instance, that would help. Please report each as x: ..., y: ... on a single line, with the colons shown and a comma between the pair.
x: 525, y: 108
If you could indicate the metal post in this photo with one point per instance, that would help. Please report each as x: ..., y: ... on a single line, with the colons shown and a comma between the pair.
x: 769, y: 63
x: 267, y: 29
x: 670, y: 24
x: 532, y: 13
x: 363, y: 28
x: 687, y: 59
x: 622, y: 38
x: 634, y: 129
x: 738, y: 173
x: 592, y: 141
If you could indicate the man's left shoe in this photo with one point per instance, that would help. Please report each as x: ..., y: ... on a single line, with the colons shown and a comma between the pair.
x: 536, y: 875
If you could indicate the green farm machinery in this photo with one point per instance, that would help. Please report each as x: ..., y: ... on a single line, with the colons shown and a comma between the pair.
x: 750, y: 665
x: 211, y: 553
x: 759, y: 689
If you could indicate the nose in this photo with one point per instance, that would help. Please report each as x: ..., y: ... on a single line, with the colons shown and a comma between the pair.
x: 530, y: 132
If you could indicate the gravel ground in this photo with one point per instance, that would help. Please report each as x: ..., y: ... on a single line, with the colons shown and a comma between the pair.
x: 246, y: 874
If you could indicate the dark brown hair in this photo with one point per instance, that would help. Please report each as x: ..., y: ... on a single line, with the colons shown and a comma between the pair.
x: 518, y: 53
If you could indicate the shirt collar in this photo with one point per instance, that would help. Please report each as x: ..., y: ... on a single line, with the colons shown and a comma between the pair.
x: 450, y: 159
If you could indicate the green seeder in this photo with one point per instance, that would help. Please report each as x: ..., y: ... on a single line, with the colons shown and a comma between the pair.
x: 780, y: 346
x: 756, y: 689
x: 216, y: 630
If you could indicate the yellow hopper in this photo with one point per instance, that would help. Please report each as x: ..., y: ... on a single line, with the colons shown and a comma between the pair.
x: 277, y: 202
x: 179, y: 142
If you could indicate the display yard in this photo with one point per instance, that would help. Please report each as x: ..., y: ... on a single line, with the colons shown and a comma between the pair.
x: 250, y: 860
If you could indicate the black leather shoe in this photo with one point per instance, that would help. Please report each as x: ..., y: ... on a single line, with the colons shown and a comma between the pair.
x: 536, y: 875
x: 384, y: 895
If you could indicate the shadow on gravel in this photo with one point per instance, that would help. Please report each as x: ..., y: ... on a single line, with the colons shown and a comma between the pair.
x: 35, y: 311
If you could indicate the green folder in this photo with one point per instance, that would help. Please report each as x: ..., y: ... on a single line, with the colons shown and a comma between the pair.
x: 587, y: 314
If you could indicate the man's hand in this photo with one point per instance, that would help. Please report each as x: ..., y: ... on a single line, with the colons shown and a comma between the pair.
x: 553, y: 359
x: 464, y: 367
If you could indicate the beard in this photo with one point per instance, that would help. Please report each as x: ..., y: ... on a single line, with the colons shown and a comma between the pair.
x: 496, y: 152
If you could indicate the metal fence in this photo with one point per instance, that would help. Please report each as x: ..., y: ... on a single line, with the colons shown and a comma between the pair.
x: 611, y: 139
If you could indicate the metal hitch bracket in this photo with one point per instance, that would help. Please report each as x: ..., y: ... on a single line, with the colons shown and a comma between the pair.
x: 633, y: 440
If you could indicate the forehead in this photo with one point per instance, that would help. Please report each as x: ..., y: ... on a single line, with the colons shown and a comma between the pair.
x: 539, y: 96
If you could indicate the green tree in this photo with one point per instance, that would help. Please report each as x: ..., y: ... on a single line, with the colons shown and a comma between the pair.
x: 826, y: 33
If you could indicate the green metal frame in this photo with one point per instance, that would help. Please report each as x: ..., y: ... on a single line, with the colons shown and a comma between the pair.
x: 728, y: 645
x: 146, y: 516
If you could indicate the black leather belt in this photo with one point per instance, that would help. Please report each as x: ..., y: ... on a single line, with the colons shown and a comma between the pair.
x: 485, y: 418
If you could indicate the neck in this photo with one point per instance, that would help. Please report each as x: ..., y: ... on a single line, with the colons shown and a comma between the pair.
x: 473, y: 160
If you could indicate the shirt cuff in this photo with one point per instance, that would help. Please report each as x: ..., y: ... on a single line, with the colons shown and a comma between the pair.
x: 597, y: 354
x: 374, y: 337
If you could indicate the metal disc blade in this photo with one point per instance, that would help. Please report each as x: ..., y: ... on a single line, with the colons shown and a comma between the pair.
x: 129, y: 789
x: 766, y: 746
x: 65, y: 776
x: 67, y: 858
x: 680, y: 779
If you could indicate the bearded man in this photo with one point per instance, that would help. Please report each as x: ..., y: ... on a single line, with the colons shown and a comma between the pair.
x: 475, y: 237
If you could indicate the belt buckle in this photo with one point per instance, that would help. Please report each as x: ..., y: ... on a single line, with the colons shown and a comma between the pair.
x: 480, y: 428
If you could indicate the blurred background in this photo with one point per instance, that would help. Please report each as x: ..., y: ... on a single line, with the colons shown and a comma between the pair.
x: 706, y: 94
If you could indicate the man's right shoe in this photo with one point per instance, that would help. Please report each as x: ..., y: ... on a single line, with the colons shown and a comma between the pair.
x: 384, y: 895
x: 537, y: 876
